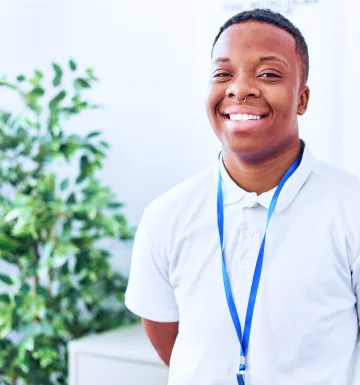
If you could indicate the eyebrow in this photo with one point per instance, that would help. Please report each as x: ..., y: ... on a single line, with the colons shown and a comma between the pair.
x: 262, y: 59
x: 273, y: 58
x: 221, y: 60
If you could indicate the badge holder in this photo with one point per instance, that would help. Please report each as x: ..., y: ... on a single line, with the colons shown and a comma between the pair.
x: 241, y: 378
x: 241, y: 375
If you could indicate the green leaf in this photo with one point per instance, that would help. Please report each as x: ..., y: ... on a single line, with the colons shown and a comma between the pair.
x: 58, y: 75
x: 27, y: 344
x: 58, y: 261
x: 31, y: 99
x: 7, y: 243
x: 36, y: 92
x: 115, y: 205
x: 81, y: 83
x: 30, y: 123
x: 46, y: 356
x: 60, y: 326
x: 80, y: 178
x: 47, y: 250
x: 12, y: 214
x: 24, y: 366
x: 99, y: 154
x: 70, y: 200
x: 61, y: 253
x: 5, y: 117
x: 47, y: 184
x: 104, y: 144
x: 84, y: 163
x: 6, y: 315
x: 69, y: 149
x: 25, y: 228
x: 5, y: 298
x: 20, y: 78
x: 93, y: 134
x: 57, y: 99
x: 38, y: 74
x: 8, y: 85
x: 64, y: 184
x: 72, y: 65
x: 6, y: 279
x: 22, y: 134
x: 85, y: 169
x: 90, y: 73
x: 36, y: 79
x: 32, y: 306
x: 67, y: 227
x: 7, y: 350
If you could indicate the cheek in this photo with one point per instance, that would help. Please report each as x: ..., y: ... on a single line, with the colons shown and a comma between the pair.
x: 283, y: 101
x: 208, y: 100
x: 213, y: 97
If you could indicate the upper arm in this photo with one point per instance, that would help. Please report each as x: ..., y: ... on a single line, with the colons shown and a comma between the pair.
x: 162, y: 335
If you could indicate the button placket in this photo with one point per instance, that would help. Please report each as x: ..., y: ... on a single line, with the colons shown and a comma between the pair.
x: 250, y: 233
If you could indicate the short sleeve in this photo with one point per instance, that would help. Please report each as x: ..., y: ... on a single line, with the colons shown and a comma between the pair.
x: 149, y: 293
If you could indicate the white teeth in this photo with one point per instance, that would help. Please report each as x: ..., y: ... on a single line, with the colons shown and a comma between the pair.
x: 244, y: 117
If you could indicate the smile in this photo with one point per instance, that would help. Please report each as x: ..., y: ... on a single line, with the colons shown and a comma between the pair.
x: 244, y: 123
x: 244, y: 117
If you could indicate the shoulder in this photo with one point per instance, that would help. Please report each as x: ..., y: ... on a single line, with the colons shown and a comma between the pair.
x: 183, y: 197
x: 336, y: 179
x: 340, y: 197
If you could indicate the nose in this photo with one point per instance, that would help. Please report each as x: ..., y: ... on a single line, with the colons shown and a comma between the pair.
x: 242, y: 87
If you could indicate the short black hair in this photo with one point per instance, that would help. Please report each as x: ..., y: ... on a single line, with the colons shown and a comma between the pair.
x: 274, y: 18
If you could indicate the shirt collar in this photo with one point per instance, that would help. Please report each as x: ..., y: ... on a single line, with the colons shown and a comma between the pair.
x: 233, y: 193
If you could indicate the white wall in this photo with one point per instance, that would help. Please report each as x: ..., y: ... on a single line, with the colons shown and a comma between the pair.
x: 349, y: 97
x: 153, y: 61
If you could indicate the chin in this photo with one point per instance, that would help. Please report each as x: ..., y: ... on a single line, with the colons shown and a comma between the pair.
x: 243, y: 144
x: 257, y: 148
x: 244, y: 151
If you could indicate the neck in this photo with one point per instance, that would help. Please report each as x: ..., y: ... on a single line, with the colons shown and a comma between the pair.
x: 260, y: 176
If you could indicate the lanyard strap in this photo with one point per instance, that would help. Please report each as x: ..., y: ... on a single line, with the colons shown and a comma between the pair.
x: 244, y: 339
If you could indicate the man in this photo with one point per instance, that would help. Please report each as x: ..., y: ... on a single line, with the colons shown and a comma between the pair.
x: 226, y: 303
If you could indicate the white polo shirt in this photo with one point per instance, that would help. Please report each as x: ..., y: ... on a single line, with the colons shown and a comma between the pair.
x: 306, y: 320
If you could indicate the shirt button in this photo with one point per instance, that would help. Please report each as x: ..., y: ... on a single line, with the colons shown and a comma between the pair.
x: 249, y: 233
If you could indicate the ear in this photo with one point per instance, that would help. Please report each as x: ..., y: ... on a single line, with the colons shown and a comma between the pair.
x: 303, y: 100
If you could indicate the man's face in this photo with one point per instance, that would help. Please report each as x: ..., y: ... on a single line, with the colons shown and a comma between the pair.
x: 257, y: 61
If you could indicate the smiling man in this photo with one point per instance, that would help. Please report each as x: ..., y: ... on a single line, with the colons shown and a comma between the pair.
x: 249, y: 272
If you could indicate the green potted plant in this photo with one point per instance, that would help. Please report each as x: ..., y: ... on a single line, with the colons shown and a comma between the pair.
x: 61, y: 284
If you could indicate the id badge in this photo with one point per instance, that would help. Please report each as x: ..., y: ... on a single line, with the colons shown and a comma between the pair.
x: 240, y: 378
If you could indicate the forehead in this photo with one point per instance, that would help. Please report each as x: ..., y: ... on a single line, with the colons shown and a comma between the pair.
x: 254, y: 38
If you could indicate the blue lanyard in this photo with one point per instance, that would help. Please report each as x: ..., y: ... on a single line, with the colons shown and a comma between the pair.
x: 244, y: 339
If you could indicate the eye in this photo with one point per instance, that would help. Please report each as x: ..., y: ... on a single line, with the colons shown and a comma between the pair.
x: 269, y: 75
x: 221, y: 75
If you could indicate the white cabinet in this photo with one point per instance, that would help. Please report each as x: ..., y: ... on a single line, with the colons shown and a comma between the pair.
x: 120, y: 357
